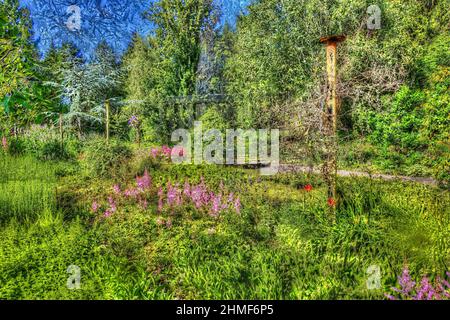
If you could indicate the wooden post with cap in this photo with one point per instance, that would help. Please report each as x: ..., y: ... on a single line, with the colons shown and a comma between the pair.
x: 330, y: 116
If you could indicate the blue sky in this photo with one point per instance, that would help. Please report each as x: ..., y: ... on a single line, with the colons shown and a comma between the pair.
x: 113, y: 21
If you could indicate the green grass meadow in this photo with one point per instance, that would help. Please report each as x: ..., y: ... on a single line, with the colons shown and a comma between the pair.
x: 284, y: 244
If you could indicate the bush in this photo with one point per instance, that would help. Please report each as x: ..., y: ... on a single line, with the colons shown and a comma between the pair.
x: 106, y: 160
x: 44, y: 143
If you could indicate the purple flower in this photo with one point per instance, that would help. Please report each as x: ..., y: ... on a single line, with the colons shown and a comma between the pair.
x: 154, y: 152
x: 216, y: 206
x: 237, y: 205
x: 187, y: 189
x: 406, y: 283
x: 95, y: 206
x: 116, y: 189
x: 171, y: 194
x: 420, y: 291
x: 131, y: 193
x: 112, y: 204
x: 133, y: 121
x: 166, y: 151
x: 144, y: 182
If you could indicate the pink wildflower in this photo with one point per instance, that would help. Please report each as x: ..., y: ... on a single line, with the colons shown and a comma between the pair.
x: 154, y: 152
x: 112, y: 204
x: 95, y: 206
x: 116, y: 189
x: 171, y: 194
x: 237, y: 205
x: 187, y: 189
x: 144, y: 182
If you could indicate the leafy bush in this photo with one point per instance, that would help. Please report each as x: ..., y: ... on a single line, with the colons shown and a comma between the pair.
x: 44, y: 143
x: 102, y: 159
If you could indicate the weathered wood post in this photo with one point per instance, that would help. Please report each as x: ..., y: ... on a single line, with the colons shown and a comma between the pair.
x: 330, y: 117
x: 61, y: 131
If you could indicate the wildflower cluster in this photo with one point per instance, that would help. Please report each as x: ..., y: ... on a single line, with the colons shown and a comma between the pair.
x: 423, y: 290
x: 199, y: 196
x: 171, y: 197
x: 165, y: 152
x: 134, y: 122
x: 137, y: 194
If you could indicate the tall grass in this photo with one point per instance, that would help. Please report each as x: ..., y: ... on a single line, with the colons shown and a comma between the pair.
x: 27, y: 187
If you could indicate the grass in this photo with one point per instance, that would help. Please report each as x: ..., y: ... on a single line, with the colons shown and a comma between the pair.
x: 283, y: 245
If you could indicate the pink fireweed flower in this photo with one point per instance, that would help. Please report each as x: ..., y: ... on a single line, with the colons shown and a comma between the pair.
x: 230, y: 198
x: 406, y: 283
x: 196, y: 196
x: 426, y: 291
x: 187, y: 189
x: 144, y: 182
x: 237, y: 205
x: 95, y: 206
x: 132, y: 193
x: 116, y: 189
x: 154, y: 152
x: 216, y: 206
x: 167, y: 152
x: 171, y: 194
x: 112, y: 204
x: 107, y: 214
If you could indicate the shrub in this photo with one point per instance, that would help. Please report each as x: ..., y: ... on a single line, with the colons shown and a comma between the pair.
x: 101, y: 159
x: 44, y: 143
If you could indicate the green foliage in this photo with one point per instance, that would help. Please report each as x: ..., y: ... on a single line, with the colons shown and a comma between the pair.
x: 214, y: 119
x: 17, y: 54
x: 283, y: 245
x: 417, y: 120
x: 103, y: 159
x: 27, y: 187
x: 163, y: 67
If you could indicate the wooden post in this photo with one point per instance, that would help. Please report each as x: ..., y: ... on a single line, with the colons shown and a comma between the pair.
x: 330, y: 117
x: 107, y: 107
x: 61, y: 132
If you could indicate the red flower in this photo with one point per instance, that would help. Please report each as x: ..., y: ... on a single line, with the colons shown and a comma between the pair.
x: 331, y: 202
x: 308, y: 188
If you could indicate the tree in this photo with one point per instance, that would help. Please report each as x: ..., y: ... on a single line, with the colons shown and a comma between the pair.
x: 17, y: 57
x: 173, y: 53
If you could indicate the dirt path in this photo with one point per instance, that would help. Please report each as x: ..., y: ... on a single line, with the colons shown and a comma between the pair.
x: 285, y: 168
